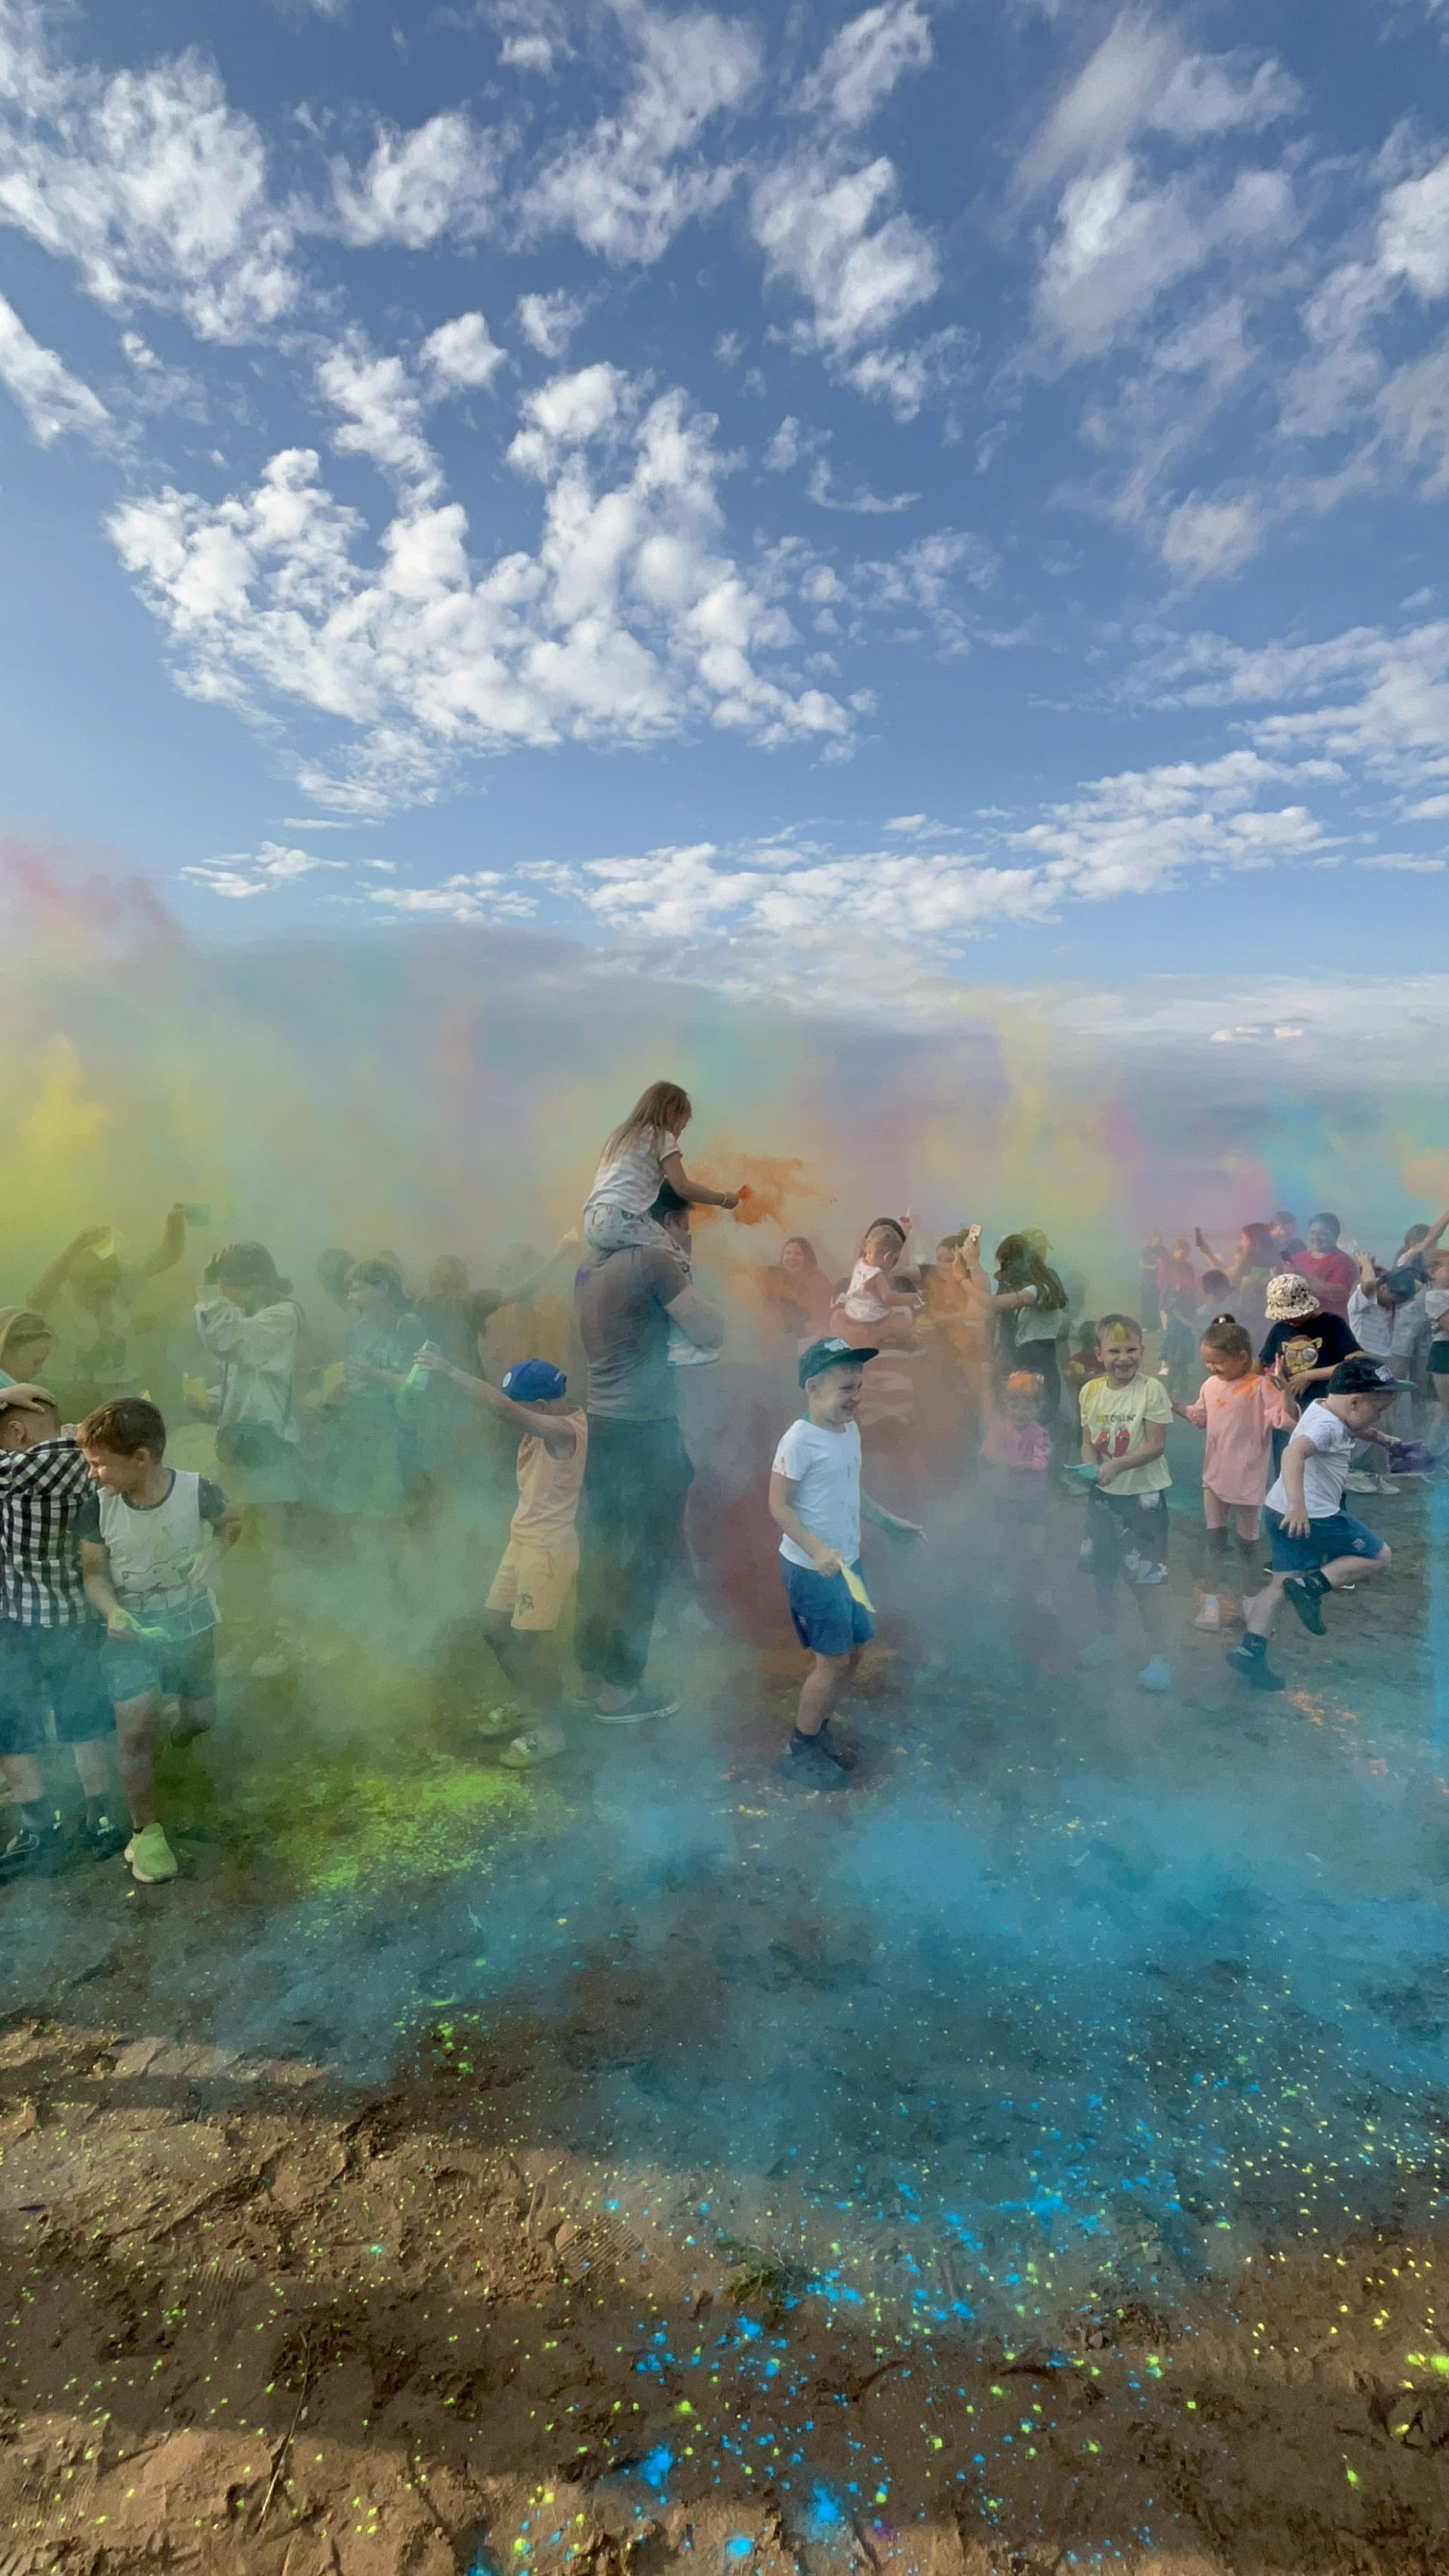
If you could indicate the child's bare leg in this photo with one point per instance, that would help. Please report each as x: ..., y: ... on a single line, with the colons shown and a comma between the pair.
x: 1260, y: 1613
x: 22, y: 1775
x: 821, y: 1687
x: 1153, y: 1614
x: 93, y: 1766
x: 137, y: 1724
x: 529, y: 1659
x: 196, y: 1717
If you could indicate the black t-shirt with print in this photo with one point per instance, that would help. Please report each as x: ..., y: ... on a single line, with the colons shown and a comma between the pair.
x: 1308, y: 1342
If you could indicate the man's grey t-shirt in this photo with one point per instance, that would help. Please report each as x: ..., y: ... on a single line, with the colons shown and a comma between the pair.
x: 619, y: 1304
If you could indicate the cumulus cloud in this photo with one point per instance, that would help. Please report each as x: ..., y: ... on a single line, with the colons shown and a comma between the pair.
x: 859, y: 264
x: 1132, y: 834
x: 628, y: 622
x: 630, y: 184
x: 548, y: 322
x: 52, y: 400
x: 1122, y: 241
x: 439, y: 179
x: 149, y: 182
x: 381, y: 412
x: 461, y: 356
x: 241, y: 873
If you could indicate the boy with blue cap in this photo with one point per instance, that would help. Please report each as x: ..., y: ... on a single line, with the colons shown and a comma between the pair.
x: 529, y: 1592
x: 816, y: 1504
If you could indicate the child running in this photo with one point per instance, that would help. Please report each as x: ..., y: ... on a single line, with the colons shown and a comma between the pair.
x: 1317, y: 1546
x: 1125, y: 1421
x: 1239, y: 1409
x: 816, y: 1503
x: 151, y: 1538
x: 535, y: 1576
x: 49, y: 1634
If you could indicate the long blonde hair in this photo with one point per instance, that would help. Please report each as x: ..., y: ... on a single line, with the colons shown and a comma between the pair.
x: 663, y: 1110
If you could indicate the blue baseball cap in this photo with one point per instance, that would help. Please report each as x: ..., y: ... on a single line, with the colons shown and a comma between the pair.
x: 829, y: 1354
x: 534, y: 1382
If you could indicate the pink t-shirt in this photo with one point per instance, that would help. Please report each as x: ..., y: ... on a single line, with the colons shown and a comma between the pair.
x: 1025, y: 1448
x: 1237, y: 1414
x: 1333, y: 1274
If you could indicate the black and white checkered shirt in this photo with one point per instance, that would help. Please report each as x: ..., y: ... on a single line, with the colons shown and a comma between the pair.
x: 42, y: 1493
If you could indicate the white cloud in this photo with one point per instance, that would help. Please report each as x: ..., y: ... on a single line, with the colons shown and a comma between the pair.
x: 527, y: 54
x: 548, y: 322
x: 629, y: 621
x: 1366, y: 700
x: 148, y: 181
x: 627, y: 187
x: 1139, y: 80
x: 487, y: 895
x: 1121, y: 242
x: 1133, y: 834
x: 51, y: 398
x: 441, y: 178
x: 461, y: 355
x: 1206, y: 540
x: 381, y: 412
x: 862, y: 501
x: 1346, y: 368
x: 862, y: 65
x: 860, y: 268
x: 242, y: 873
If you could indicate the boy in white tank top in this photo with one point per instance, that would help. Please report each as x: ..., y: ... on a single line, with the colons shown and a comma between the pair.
x: 151, y: 1538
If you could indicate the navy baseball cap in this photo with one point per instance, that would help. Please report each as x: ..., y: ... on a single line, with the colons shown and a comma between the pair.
x: 534, y: 1382
x: 829, y: 1354
x: 1361, y: 1375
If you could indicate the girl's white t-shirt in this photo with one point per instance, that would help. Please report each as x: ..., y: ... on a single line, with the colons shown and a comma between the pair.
x: 632, y: 1180
x: 1436, y: 1307
x: 1325, y: 1469
x: 862, y: 1301
x: 824, y: 1466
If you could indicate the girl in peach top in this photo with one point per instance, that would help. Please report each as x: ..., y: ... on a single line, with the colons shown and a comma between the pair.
x: 1239, y: 1409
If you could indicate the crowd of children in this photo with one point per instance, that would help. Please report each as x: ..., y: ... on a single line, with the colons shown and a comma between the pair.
x: 1303, y: 1362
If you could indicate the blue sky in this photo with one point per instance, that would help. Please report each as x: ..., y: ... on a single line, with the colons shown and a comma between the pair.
x: 827, y: 501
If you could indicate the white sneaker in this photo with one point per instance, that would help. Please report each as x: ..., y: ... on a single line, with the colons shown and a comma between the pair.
x: 1156, y: 1676
x: 537, y: 1744
x: 637, y: 1711
x: 1361, y: 1483
x: 1211, y: 1613
x: 1102, y: 1650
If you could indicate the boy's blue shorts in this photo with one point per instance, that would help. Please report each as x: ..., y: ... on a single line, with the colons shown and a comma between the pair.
x: 1339, y: 1535
x: 828, y: 1619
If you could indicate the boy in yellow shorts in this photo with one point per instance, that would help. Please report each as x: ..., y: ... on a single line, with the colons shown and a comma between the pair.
x: 530, y: 1590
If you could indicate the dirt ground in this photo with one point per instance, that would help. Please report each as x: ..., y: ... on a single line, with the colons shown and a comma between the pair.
x: 1033, y: 2160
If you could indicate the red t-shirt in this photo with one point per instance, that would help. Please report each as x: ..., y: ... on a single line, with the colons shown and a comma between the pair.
x: 1333, y: 1274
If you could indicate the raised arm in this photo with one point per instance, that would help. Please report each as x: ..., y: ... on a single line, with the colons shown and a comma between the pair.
x: 559, y: 1437
x: 51, y: 1281
x: 170, y: 1248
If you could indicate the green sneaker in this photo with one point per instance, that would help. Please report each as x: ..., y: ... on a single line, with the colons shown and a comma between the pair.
x: 150, y: 1856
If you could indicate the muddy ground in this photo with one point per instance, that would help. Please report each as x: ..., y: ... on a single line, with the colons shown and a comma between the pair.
x: 1035, y: 2159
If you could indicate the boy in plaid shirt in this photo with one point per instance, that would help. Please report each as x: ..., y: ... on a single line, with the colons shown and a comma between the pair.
x: 49, y: 1634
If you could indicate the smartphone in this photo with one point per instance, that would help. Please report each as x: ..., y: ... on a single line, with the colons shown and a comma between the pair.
x: 196, y: 1211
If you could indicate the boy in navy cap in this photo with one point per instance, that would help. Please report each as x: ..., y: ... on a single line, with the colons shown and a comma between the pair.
x: 816, y: 1504
x: 1317, y: 1547
x: 530, y: 1590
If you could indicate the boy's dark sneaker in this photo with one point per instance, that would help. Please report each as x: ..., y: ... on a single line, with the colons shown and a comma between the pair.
x: 103, y: 1839
x: 806, y: 1763
x: 1253, y: 1668
x: 1306, y: 1592
x: 844, y: 1754
x: 19, y: 1851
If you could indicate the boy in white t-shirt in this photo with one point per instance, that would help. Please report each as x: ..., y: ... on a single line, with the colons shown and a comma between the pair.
x: 1317, y: 1546
x: 816, y: 1503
